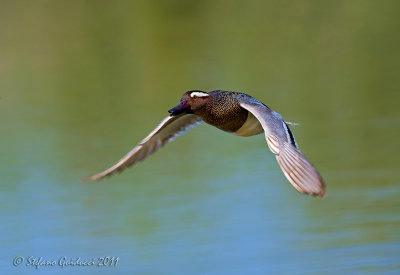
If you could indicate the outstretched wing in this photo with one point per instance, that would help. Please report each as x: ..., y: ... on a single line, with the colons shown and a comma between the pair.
x: 169, y: 128
x: 295, y: 166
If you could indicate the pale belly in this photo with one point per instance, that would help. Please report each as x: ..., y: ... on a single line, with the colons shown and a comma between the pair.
x: 250, y: 128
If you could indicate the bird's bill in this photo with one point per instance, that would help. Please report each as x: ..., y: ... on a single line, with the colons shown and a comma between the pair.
x: 180, y: 109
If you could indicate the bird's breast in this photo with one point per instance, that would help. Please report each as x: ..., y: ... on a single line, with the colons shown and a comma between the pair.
x: 226, y: 117
x: 239, y: 122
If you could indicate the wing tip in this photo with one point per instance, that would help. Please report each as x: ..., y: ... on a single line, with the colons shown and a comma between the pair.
x: 316, y: 194
x: 320, y: 194
x: 300, y: 172
x: 91, y: 178
x: 99, y: 176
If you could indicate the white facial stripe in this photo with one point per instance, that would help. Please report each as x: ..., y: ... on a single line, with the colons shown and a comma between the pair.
x: 199, y: 94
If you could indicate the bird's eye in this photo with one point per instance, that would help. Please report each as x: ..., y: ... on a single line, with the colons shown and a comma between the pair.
x: 194, y: 97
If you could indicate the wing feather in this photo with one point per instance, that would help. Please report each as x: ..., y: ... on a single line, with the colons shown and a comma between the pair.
x: 295, y: 166
x: 169, y: 128
x: 299, y: 171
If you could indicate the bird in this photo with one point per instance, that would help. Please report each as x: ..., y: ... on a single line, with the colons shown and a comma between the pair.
x: 236, y: 113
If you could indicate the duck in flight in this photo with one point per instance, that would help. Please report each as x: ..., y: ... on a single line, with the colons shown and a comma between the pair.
x: 235, y: 113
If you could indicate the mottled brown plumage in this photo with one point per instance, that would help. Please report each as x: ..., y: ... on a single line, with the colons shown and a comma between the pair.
x: 223, y: 111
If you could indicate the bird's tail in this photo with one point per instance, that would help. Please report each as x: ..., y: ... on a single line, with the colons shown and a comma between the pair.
x: 299, y: 171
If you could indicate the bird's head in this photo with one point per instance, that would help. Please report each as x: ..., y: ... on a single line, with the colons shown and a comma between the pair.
x: 191, y: 102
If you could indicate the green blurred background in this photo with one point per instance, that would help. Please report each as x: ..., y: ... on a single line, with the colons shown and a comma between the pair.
x: 81, y: 82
